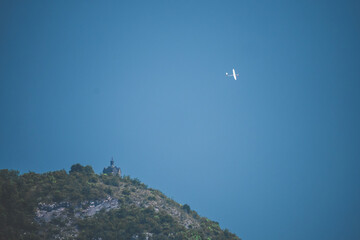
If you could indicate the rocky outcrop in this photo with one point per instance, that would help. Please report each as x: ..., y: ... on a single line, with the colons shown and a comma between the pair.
x: 67, y: 212
x: 47, y: 212
x: 96, y: 206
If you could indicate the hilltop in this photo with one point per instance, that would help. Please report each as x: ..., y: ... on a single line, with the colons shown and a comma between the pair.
x: 84, y: 205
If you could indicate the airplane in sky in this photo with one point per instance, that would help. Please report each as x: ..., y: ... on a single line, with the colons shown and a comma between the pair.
x: 232, y: 75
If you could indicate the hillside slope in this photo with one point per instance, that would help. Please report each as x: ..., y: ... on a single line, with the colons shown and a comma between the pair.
x: 83, y: 205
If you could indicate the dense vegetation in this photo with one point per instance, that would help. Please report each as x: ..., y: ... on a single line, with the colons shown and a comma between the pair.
x: 20, y: 196
x: 125, y: 223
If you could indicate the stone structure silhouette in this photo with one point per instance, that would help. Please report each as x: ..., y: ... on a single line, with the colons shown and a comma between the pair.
x: 112, y: 169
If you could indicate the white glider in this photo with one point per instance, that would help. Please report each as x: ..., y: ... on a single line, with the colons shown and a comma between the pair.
x: 232, y: 75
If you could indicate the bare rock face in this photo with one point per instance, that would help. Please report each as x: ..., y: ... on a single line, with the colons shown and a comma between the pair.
x: 47, y: 212
x: 96, y: 206
x: 66, y: 212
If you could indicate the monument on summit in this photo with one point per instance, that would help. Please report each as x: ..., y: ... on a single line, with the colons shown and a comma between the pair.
x: 112, y: 169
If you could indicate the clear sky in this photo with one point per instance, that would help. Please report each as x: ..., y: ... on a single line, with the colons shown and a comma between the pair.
x: 273, y: 155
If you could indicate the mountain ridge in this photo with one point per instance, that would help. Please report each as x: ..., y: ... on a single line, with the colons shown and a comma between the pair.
x: 84, y: 205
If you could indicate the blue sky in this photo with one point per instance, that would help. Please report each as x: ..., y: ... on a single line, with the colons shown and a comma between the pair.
x: 273, y: 155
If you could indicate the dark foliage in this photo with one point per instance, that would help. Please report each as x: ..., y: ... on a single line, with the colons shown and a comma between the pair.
x: 186, y: 208
x: 16, y: 206
x: 127, y: 222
